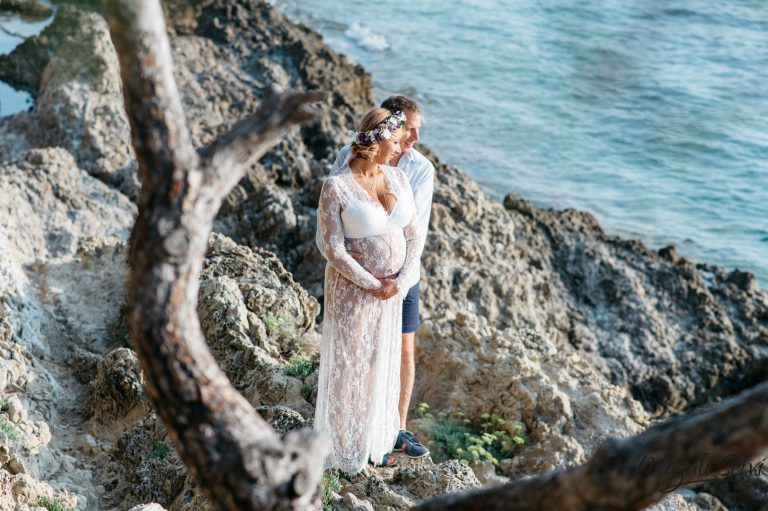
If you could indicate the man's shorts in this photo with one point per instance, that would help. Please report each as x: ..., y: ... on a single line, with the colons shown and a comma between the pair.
x: 411, y: 310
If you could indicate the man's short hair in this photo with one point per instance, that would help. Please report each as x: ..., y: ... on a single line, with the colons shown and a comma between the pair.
x: 400, y: 104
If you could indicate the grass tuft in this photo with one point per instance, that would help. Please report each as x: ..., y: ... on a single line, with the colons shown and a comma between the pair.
x: 9, y: 429
x: 279, y: 325
x: 329, y: 485
x: 457, y: 437
x: 52, y: 504
x: 299, y: 366
x: 160, y: 450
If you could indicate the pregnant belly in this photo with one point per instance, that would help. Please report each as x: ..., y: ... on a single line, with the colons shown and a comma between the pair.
x: 382, y: 255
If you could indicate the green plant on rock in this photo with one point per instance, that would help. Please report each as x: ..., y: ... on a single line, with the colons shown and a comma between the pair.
x: 3, y: 405
x: 457, y: 437
x: 279, y: 325
x: 160, y: 450
x: 299, y: 366
x: 329, y: 485
x: 503, y: 443
x: 289, y: 338
x: 9, y: 429
x: 52, y: 504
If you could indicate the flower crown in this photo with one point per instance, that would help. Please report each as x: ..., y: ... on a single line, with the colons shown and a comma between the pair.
x: 382, y: 131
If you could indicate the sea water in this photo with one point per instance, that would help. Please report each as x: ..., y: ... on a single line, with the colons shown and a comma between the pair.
x: 13, y: 30
x: 650, y: 114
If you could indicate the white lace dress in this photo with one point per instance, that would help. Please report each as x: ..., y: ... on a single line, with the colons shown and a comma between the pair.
x: 359, y: 380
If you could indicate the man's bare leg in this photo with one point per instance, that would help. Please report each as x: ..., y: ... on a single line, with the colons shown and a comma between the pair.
x: 407, y: 376
x: 406, y: 441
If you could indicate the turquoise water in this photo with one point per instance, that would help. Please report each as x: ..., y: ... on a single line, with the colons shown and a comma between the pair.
x: 652, y: 115
x: 13, y: 30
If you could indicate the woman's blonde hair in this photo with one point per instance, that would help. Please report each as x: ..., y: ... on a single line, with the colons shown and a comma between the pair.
x: 372, y: 119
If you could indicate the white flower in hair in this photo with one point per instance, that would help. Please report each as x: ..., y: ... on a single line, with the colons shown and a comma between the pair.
x: 383, y: 131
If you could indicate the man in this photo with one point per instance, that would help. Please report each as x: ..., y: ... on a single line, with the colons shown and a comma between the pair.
x: 420, y: 172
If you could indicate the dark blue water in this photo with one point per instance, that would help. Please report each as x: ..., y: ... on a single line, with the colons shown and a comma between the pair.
x: 652, y: 115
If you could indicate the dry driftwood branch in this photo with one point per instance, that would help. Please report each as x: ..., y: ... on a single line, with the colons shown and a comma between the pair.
x: 635, y: 472
x: 236, y: 457
x: 253, y: 135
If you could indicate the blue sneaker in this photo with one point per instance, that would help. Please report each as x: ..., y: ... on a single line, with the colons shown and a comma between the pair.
x: 407, y: 443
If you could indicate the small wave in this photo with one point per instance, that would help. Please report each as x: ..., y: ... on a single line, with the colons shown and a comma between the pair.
x: 679, y: 12
x: 366, y: 38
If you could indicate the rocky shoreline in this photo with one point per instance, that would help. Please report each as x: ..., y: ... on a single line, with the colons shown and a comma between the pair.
x: 536, y: 315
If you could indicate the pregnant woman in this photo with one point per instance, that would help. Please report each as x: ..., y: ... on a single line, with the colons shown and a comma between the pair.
x: 366, y: 208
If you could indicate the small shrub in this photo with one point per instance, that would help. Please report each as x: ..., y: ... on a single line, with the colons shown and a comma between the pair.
x: 160, y: 450
x: 279, y: 325
x: 299, y: 366
x: 503, y: 444
x: 3, y: 405
x: 52, y: 504
x: 457, y: 437
x: 329, y: 485
x: 9, y: 429
x: 289, y: 338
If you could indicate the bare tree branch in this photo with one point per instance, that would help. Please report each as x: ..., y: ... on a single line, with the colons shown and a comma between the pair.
x: 252, y: 136
x: 633, y: 473
x: 160, y: 137
x: 237, y: 458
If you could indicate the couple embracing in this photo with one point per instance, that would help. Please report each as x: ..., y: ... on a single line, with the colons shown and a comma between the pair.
x: 372, y: 222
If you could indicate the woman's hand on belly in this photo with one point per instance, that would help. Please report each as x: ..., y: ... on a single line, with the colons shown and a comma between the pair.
x: 387, y: 290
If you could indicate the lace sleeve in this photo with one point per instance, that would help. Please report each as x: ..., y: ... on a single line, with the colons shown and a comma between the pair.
x: 414, y: 243
x: 338, y: 164
x: 332, y: 235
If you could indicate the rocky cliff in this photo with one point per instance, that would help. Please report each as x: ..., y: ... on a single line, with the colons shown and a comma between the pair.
x: 536, y: 315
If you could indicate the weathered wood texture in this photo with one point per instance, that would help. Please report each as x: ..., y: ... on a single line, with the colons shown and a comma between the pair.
x: 236, y: 457
x: 634, y: 473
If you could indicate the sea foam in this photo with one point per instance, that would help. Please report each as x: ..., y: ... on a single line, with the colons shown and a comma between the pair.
x: 366, y: 38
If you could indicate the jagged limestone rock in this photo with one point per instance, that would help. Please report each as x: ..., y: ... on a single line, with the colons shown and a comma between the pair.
x: 118, y: 389
x: 352, y: 503
x: 79, y: 107
x: 467, y: 365
x: 23, y: 491
x: 16, y: 411
x: 145, y: 457
x: 240, y: 286
x: 283, y: 419
x: 431, y: 480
